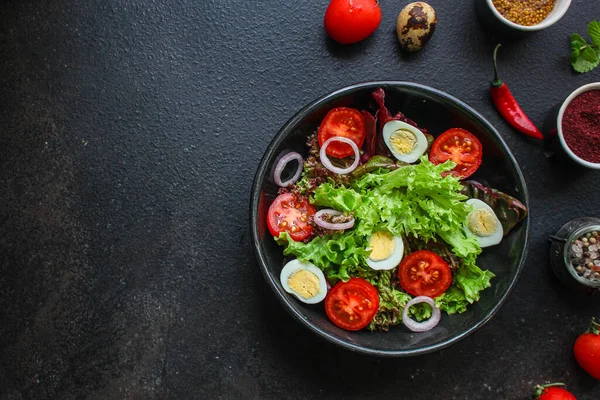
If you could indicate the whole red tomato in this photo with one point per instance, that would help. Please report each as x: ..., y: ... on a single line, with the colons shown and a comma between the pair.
x: 552, y: 392
x: 350, y: 21
x: 587, y: 350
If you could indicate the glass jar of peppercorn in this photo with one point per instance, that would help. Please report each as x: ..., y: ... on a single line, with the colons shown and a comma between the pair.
x: 575, y: 254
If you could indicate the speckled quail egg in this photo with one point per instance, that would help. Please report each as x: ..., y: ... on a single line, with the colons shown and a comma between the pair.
x: 304, y: 281
x: 415, y: 26
x: 483, y: 224
x: 406, y: 142
x: 386, y: 250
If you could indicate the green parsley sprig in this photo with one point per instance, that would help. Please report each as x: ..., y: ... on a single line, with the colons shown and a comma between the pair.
x: 585, y: 56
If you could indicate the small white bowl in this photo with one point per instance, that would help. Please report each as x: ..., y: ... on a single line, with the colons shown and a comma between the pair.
x: 560, y: 8
x: 563, y: 143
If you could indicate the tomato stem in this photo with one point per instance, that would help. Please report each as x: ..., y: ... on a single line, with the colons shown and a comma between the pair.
x: 594, y: 327
x: 496, y: 82
x: 538, y: 390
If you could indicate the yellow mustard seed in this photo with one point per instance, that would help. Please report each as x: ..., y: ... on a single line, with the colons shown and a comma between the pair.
x: 524, y: 12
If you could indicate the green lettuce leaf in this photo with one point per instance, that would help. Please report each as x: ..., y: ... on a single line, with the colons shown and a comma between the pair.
x: 472, y: 280
x: 453, y: 301
x: 338, y: 198
x: 420, y: 311
x: 338, y: 256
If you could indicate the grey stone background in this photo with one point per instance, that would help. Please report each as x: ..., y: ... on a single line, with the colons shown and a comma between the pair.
x: 129, y: 135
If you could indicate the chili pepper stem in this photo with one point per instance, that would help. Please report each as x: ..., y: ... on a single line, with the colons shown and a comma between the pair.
x: 539, y: 389
x: 496, y: 82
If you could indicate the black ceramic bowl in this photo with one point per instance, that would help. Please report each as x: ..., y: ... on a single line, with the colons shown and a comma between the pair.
x: 436, y: 111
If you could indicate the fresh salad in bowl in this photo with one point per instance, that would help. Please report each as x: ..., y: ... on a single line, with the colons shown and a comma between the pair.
x: 379, y: 223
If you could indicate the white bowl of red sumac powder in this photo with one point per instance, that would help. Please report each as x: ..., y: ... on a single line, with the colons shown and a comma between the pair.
x: 578, y: 125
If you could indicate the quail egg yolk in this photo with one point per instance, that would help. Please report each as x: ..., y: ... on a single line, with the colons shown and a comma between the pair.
x: 482, y: 223
x: 382, y: 245
x: 403, y: 141
x: 304, y: 283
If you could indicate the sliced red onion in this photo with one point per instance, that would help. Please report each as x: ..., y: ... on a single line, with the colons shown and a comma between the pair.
x: 424, y: 326
x: 331, y: 226
x: 325, y: 159
x: 283, y: 162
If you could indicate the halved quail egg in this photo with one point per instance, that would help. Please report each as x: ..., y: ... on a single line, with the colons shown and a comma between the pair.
x: 304, y: 280
x: 406, y: 142
x: 483, y: 224
x: 386, y: 250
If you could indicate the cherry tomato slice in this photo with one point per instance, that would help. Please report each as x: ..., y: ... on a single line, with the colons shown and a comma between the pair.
x: 346, y: 122
x: 352, y: 305
x: 424, y: 273
x: 290, y: 213
x: 460, y: 146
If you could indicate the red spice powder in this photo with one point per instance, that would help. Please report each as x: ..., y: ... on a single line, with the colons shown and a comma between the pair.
x: 581, y: 126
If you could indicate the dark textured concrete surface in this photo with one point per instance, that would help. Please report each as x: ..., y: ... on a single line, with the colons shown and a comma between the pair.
x: 129, y: 135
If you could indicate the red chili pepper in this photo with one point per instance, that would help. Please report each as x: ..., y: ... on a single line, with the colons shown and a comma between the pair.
x: 508, y: 107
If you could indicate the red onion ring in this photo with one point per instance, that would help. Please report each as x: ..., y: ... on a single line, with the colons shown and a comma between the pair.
x: 415, y: 326
x: 282, y: 163
x: 328, y: 225
x: 325, y: 160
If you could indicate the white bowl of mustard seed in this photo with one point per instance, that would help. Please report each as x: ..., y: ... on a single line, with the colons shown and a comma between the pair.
x: 526, y: 15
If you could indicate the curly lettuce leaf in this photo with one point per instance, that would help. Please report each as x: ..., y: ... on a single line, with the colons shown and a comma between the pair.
x: 420, y: 312
x: 338, y: 198
x: 338, y: 256
x: 472, y: 280
x: 469, y: 281
x: 453, y: 301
